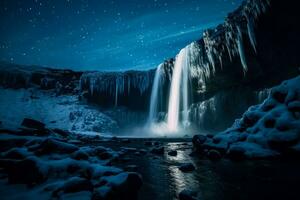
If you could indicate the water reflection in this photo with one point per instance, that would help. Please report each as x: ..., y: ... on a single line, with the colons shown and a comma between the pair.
x: 181, y: 180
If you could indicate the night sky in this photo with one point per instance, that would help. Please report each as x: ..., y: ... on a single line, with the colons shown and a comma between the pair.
x: 103, y: 34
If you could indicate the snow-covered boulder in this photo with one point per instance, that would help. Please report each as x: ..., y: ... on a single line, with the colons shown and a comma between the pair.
x: 266, y: 130
x: 121, y: 186
x: 55, y: 168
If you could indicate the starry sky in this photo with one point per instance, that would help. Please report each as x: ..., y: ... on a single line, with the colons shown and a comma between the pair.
x: 110, y: 35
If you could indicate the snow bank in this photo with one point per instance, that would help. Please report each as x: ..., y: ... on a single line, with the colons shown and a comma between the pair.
x: 64, y: 112
x: 266, y: 130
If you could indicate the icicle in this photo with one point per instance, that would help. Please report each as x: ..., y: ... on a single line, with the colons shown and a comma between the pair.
x: 262, y: 94
x: 116, y: 94
x: 128, y: 85
x: 251, y: 33
x: 220, y: 60
x: 209, y: 50
x: 91, y: 87
x: 229, y: 52
x: 241, y: 50
x: 105, y: 82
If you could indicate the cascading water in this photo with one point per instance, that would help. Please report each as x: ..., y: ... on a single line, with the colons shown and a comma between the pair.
x: 185, y: 81
x: 179, y: 87
x: 155, y: 95
x: 198, y: 63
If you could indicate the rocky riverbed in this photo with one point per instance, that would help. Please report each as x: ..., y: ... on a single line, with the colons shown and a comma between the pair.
x: 42, y: 163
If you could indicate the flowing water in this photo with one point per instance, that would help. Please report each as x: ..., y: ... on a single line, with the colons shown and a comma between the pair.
x: 178, y: 91
x: 221, y: 180
x: 155, y: 95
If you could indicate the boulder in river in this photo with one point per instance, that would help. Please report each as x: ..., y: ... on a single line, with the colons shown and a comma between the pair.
x: 187, y: 167
x: 32, y: 123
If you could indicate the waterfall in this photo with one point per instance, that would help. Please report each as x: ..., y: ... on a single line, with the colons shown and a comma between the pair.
x: 155, y: 95
x: 185, y: 81
x: 179, y: 87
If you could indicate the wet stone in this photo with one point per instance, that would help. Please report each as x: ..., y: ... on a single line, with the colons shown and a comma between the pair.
x: 31, y: 123
x: 214, y: 154
x: 172, y: 153
x: 158, y: 150
x: 187, y: 167
x: 148, y: 143
x: 188, y: 195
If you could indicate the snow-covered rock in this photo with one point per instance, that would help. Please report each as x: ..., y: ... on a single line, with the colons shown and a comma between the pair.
x: 267, y: 130
x: 54, y: 168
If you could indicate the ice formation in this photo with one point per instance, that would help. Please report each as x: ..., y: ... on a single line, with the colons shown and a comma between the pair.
x: 200, y: 110
x: 116, y: 84
x: 262, y: 95
x: 241, y: 49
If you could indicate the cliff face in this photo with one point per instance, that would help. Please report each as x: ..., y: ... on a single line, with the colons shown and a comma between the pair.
x: 130, y: 88
x: 232, y: 66
x: 253, y: 50
x: 250, y: 48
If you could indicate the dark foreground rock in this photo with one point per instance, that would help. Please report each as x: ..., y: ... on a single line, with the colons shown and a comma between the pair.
x: 34, y: 124
x: 188, y: 195
x: 59, y: 168
x: 214, y: 154
x: 158, y: 150
x: 121, y: 186
x: 187, y: 167
x: 172, y: 153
